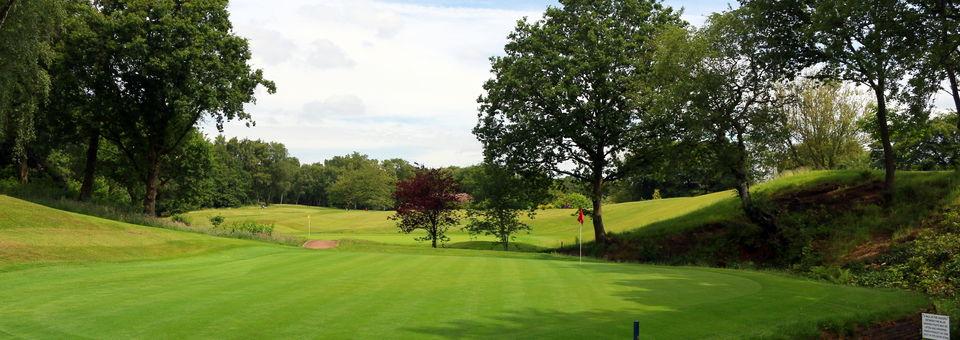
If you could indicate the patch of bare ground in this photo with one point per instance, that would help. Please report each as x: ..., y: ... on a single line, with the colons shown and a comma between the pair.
x: 320, y: 244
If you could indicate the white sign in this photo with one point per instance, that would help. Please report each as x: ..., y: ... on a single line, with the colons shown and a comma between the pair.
x: 936, y: 327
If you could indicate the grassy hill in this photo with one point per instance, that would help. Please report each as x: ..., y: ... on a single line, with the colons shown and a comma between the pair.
x: 34, y: 234
x: 181, y: 285
x: 550, y: 227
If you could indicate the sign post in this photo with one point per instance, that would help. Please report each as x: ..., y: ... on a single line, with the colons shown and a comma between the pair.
x: 936, y: 327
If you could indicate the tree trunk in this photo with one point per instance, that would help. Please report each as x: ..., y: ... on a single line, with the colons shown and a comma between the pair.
x: 24, y: 170
x: 889, y: 158
x: 152, y: 185
x: 433, y: 235
x: 952, y: 75
x: 506, y: 242
x: 90, y: 168
x: 600, y: 235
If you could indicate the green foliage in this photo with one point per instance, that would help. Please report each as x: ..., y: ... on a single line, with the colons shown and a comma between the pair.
x: 929, y: 263
x: 656, y: 194
x: 570, y: 200
x: 249, y: 229
x: 572, y: 87
x: 822, y: 121
x: 181, y: 219
x: 715, y: 91
x: 176, y: 64
x: 874, y: 43
x: 216, y: 221
x: 499, y: 199
x: 27, y: 31
x: 368, y: 186
x: 921, y: 142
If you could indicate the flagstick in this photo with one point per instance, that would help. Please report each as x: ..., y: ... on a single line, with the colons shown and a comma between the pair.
x: 580, y: 241
x: 309, y: 229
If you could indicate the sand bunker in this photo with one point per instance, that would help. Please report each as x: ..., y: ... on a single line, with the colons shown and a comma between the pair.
x: 320, y: 244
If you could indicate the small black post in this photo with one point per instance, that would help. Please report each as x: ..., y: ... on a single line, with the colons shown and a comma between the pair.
x: 636, y: 329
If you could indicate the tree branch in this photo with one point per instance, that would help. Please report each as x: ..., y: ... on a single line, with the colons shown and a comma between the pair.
x: 5, y: 11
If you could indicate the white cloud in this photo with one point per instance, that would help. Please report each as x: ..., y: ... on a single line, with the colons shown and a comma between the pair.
x: 386, y: 79
x: 324, y: 54
x: 269, y: 46
x: 337, y: 106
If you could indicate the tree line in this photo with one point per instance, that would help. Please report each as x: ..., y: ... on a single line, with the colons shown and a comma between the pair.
x: 619, y: 93
x: 611, y: 99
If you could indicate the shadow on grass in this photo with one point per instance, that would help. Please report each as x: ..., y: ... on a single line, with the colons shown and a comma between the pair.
x: 533, y: 323
x: 491, y: 245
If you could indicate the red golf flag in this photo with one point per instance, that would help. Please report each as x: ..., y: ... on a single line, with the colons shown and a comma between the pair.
x: 580, y: 216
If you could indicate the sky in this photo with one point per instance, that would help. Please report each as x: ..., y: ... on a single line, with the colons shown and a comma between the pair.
x: 387, y: 78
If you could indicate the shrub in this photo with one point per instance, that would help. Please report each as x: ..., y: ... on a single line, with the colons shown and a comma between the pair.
x: 180, y: 219
x: 216, y: 221
x: 250, y: 228
x: 930, y: 263
x: 572, y: 201
x: 656, y: 194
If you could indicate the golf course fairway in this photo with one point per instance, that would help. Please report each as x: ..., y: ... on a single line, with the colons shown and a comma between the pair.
x: 188, y: 285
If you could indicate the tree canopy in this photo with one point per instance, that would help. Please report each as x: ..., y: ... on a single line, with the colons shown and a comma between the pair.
x: 568, y: 97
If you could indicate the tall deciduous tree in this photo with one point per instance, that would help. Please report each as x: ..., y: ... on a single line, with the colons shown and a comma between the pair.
x: 427, y: 201
x: 170, y: 64
x: 567, y: 98
x: 871, y: 43
x: 822, y: 124
x: 874, y: 43
x: 940, y: 24
x: 499, y: 199
x: 368, y: 187
x: 26, y: 32
x: 720, y: 94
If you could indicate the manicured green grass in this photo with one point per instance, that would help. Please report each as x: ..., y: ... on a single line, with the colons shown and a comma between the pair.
x: 550, y: 227
x: 280, y: 292
x: 173, y: 284
x: 34, y: 234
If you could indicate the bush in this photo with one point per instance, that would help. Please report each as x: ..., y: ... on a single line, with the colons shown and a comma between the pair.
x: 656, y: 194
x: 250, y: 229
x: 572, y: 201
x: 180, y: 219
x: 930, y: 263
x: 216, y: 221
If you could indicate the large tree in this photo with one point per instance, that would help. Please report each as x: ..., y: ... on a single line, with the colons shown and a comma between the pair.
x: 167, y: 65
x: 821, y: 120
x: 500, y: 198
x: 940, y: 25
x: 367, y: 187
x: 27, y: 29
x: 715, y: 91
x: 873, y: 43
x: 568, y: 96
x: 427, y: 201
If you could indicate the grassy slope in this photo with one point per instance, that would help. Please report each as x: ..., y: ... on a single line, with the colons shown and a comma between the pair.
x: 228, y: 288
x: 550, y: 227
x: 34, y: 234
x: 919, y: 194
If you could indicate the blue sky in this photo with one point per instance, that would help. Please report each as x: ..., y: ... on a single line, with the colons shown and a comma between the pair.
x: 389, y: 78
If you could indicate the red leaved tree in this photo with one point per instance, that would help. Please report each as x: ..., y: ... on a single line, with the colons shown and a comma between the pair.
x: 427, y: 201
